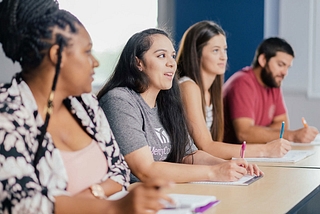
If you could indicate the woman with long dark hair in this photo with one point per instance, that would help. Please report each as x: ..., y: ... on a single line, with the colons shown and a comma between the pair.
x: 57, y: 151
x: 143, y: 104
x: 202, y: 60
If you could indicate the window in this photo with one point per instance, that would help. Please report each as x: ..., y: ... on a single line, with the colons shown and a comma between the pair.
x: 110, y: 24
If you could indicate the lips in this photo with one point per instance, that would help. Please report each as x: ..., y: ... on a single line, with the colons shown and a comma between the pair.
x: 169, y: 74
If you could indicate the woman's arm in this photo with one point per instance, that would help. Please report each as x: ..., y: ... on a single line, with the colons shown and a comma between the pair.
x: 145, y: 168
x: 191, y: 97
x: 143, y: 198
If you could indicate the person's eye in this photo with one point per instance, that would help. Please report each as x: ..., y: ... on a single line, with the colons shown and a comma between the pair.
x: 162, y: 56
x: 225, y: 50
x: 215, y: 50
x: 174, y: 56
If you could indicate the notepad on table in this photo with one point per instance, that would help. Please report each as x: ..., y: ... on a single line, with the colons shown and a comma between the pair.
x: 292, y: 156
x: 189, y: 203
x: 315, y: 142
x: 244, y: 181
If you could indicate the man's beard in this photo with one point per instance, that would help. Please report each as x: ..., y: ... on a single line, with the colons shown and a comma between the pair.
x: 268, y: 79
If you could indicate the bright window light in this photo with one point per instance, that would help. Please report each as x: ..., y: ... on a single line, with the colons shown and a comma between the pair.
x: 110, y: 25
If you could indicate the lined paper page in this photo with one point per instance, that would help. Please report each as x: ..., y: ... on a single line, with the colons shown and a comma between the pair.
x: 244, y: 181
x: 292, y: 156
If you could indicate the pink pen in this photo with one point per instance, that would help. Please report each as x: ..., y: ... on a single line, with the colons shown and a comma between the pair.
x: 243, y: 149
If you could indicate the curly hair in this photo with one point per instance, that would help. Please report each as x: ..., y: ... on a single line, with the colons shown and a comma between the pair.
x: 27, y: 29
x: 26, y: 35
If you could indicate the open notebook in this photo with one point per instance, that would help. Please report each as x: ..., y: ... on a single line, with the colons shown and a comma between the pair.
x: 292, y: 156
x: 189, y: 203
x: 315, y: 142
x: 244, y: 181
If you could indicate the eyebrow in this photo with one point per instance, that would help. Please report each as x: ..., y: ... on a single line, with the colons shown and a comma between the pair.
x: 163, y: 50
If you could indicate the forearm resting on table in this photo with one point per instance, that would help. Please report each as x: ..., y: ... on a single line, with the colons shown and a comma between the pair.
x: 110, y: 187
x: 176, y: 172
x: 201, y: 158
x: 258, y: 134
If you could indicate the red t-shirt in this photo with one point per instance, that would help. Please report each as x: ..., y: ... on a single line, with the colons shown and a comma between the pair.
x: 243, y: 96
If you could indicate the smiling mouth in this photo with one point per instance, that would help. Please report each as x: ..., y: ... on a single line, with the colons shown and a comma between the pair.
x: 169, y: 74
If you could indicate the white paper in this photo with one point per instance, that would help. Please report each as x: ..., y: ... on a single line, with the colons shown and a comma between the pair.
x: 292, y: 156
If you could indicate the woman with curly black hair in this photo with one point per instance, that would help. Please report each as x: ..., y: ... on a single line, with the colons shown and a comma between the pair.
x: 57, y: 151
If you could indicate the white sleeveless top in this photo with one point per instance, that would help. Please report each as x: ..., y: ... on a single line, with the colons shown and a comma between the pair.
x: 209, y: 116
x: 84, y: 167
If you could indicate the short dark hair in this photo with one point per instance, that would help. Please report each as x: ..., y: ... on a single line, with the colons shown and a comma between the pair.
x: 269, y: 47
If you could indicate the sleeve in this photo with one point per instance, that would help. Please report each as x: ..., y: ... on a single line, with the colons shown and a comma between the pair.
x: 280, y: 105
x: 240, y: 99
x: 20, y: 191
x: 125, y: 120
x: 118, y: 169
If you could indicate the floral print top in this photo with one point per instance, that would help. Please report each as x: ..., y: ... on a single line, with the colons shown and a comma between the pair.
x: 28, y: 189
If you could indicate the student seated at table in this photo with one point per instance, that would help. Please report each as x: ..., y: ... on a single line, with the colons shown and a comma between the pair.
x: 201, y: 61
x: 57, y: 151
x: 253, y: 99
x: 142, y: 102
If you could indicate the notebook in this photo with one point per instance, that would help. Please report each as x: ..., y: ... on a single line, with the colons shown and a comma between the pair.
x: 189, y: 203
x: 244, y: 181
x: 292, y: 156
x: 315, y: 142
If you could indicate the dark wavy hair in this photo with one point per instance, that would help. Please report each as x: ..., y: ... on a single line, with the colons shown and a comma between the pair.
x: 269, y: 47
x: 27, y: 35
x: 188, y: 61
x: 127, y: 74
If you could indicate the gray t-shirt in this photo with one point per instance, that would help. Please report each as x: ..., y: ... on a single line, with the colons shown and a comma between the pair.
x: 135, y: 124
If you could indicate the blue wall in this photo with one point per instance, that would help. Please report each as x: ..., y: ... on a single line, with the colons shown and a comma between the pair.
x: 243, y: 21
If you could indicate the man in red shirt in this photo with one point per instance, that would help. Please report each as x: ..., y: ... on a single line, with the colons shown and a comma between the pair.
x: 254, y: 107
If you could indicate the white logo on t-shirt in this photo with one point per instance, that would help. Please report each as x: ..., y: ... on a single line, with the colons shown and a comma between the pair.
x: 162, y: 135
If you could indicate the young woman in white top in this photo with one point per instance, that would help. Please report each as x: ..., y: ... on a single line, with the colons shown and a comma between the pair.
x: 202, y: 60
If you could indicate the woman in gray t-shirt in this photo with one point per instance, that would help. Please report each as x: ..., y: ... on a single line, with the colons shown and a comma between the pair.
x: 143, y: 105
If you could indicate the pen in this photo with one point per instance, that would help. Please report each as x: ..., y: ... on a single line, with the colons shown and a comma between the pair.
x: 282, y: 129
x: 304, y: 122
x: 243, y: 149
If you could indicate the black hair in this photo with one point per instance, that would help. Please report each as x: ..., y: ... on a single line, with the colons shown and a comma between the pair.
x: 26, y: 35
x: 169, y: 103
x: 269, y: 47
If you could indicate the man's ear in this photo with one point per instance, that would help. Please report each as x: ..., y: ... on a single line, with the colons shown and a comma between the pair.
x: 53, y: 55
x: 139, y: 64
x: 262, y: 60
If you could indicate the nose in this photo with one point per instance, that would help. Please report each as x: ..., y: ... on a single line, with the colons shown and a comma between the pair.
x: 171, y: 62
x: 95, y: 62
x: 224, y: 55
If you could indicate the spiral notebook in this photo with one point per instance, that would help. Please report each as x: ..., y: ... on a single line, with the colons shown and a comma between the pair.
x: 189, y: 203
x: 244, y: 181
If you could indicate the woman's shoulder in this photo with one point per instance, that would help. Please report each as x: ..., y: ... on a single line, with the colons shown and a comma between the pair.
x: 185, y: 79
x: 118, y: 92
x: 188, y: 85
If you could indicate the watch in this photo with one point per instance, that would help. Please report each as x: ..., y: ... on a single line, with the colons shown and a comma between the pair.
x: 97, y: 191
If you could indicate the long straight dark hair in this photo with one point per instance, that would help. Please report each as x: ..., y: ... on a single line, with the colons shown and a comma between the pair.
x: 127, y: 74
x: 188, y: 60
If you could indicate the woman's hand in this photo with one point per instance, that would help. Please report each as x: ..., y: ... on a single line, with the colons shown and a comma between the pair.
x: 277, y: 148
x: 145, y: 198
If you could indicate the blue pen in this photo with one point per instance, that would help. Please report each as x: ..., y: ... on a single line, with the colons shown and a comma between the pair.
x: 282, y: 129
